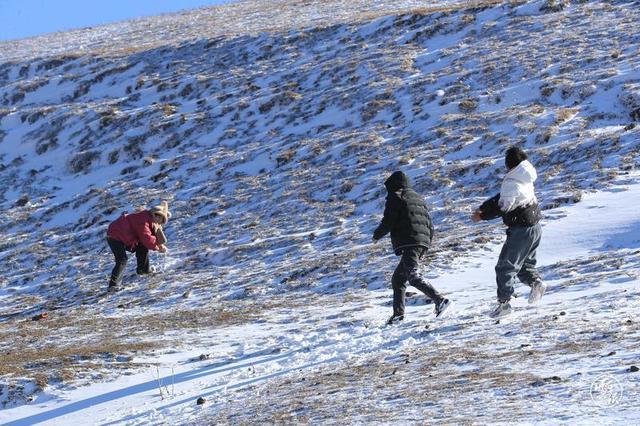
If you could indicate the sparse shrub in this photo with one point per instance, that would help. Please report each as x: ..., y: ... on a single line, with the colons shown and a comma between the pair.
x: 128, y: 170
x: 466, y: 19
x: 503, y: 141
x: 186, y: 90
x: 566, y: 68
x: 489, y: 68
x: 22, y: 201
x: 566, y: 90
x: 24, y: 71
x: 54, y: 63
x: 18, y: 96
x: 547, y: 89
x: 41, y: 382
x: 317, y: 149
x: 553, y: 6
x: 158, y: 177
x: 132, y: 148
x: 587, y: 90
x: 82, y: 89
x: 32, y: 118
x: 81, y: 163
x: 140, y: 82
x: 229, y: 134
x: 169, y: 109
x: 172, y: 141
x: 468, y: 105
x: 564, y: 114
x: 441, y: 132
x: 346, y: 187
x: 281, y: 99
x: 630, y: 99
x: 107, y: 117
x: 573, y: 198
x: 44, y: 146
x: 544, y: 136
x: 113, y: 156
x: 225, y: 96
x: 536, y: 109
x: 372, y: 108
x: 404, y: 160
x: 285, y: 157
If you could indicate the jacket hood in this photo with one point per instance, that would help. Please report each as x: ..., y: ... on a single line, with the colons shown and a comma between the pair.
x: 523, y: 172
x: 396, y: 181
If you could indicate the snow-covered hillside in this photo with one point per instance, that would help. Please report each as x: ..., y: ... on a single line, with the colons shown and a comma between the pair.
x: 271, y: 145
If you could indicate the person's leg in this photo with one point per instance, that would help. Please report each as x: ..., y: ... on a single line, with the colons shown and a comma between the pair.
x: 399, y: 285
x: 512, y: 256
x: 411, y: 265
x: 120, y: 254
x: 528, y: 274
x: 142, y: 258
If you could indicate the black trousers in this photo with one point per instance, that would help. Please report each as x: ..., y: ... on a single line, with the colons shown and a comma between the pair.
x: 407, y: 270
x: 120, y: 254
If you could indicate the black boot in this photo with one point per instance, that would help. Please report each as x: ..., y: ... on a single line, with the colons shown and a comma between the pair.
x: 442, y: 306
x: 113, y: 287
x: 395, y: 319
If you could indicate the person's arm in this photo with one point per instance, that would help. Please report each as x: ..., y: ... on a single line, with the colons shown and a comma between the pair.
x: 157, y: 230
x: 142, y: 227
x: 391, y: 210
x: 489, y: 210
x: 430, y: 222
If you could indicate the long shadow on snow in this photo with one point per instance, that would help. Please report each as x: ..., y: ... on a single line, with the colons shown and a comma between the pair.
x: 148, y: 386
x: 248, y: 382
x: 206, y: 371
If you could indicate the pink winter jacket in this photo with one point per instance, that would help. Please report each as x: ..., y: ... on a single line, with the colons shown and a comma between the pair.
x: 133, y: 229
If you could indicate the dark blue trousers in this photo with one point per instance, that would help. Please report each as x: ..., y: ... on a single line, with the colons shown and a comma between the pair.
x: 518, y: 259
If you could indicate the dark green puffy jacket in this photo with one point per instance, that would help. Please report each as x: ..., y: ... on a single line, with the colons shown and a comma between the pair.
x: 405, y: 216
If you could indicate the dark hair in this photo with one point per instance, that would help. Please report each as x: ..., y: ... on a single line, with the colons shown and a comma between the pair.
x: 514, y: 156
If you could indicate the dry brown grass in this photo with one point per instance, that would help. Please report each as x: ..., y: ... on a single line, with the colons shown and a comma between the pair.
x: 45, y: 350
x: 57, y: 361
x: 432, y: 378
x: 564, y: 114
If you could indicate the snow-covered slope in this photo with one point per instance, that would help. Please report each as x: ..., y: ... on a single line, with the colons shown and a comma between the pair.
x: 271, y: 148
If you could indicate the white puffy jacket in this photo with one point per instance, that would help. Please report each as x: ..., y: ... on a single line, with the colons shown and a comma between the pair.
x: 517, y: 187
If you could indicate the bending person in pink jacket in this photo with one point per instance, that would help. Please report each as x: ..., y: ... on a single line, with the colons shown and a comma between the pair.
x: 139, y: 233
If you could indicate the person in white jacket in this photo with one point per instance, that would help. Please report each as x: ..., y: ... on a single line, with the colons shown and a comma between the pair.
x: 518, y: 206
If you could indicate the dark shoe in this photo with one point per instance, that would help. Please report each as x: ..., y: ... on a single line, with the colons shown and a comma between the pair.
x: 502, y: 310
x: 395, y: 319
x: 113, y: 288
x: 151, y: 271
x: 441, y: 306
